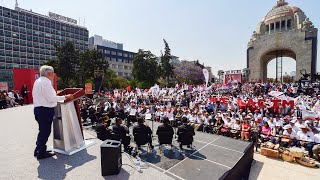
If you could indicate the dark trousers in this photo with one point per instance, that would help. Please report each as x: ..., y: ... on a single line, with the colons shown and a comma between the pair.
x: 44, y: 117
x: 308, y: 146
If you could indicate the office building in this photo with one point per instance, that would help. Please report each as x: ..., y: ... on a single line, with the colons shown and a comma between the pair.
x: 27, y: 39
x: 120, y: 61
x: 98, y: 40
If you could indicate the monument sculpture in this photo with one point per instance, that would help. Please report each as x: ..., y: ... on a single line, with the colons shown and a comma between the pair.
x: 284, y: 32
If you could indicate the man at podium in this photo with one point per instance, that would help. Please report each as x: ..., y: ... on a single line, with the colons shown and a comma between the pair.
x: 45, y: 99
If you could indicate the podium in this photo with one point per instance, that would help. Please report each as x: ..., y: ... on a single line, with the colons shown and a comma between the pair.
x: 67, y: 127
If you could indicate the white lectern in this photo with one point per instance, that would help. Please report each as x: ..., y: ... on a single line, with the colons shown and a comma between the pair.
x: 67, y: 127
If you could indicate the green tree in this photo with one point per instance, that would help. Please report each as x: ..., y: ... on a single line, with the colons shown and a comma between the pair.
x: 89, y: 61
x: 166, y: 67
x: 145, y: 68
x: 65, y: 64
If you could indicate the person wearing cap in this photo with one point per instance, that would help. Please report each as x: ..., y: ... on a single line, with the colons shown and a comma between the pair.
x: 289, y: 136
x: 306, y: 139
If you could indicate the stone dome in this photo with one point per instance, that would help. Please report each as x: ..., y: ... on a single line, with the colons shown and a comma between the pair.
x: 281, y: 9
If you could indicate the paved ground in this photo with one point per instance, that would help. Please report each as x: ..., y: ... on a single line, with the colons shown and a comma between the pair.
x: 18, y: 132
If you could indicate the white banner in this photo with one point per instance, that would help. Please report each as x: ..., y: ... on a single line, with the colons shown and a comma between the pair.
x: 206, y: 76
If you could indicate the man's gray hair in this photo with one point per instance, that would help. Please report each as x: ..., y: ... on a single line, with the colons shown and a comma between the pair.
x: 45, y: 69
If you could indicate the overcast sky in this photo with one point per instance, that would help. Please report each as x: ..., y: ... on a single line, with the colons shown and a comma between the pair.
x: 214, y: 31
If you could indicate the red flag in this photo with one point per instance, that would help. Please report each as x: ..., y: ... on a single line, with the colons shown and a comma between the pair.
x: 128, y: 88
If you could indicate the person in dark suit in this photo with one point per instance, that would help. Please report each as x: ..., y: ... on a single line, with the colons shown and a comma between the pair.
x: 185, y: 128
x: 141, y: 128
x: 24, y: 93
x: 165, y: 127
x: 122, y: 131
x: 102, y: 129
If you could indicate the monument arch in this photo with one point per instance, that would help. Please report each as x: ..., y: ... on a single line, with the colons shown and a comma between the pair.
x: 284, y: 32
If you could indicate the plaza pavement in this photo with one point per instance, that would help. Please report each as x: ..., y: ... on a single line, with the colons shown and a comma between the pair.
x: 18, y: 132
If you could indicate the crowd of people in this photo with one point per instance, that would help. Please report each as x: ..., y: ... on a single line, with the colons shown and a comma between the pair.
x: 14, y: 98
x: 211, y: 110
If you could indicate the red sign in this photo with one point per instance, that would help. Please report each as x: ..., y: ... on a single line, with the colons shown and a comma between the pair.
x: 261, y: 103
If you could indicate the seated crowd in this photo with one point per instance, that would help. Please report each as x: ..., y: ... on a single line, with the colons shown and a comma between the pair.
x: 10, y: 99
x: 178, y: 107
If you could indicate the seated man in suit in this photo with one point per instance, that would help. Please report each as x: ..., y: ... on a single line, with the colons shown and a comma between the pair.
x: 183, y: 129
x: 103, y: 130
x: 141, y: 128
x: 122, y: 131
x: 165, y: 128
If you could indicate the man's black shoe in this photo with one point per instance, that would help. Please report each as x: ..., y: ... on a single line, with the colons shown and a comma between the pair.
x: 35, y: 153
x: 45, y: 155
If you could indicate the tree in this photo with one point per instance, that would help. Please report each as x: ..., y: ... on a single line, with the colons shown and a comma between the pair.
x: 145, y: 68
x: 166, y: 67
x: 189, y: 72
x: 89, y: 61
x: 65, y: 64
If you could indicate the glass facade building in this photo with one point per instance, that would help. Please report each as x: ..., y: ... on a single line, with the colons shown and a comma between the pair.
x: 27, y: 39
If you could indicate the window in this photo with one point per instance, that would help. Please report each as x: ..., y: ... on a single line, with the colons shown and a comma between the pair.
x: 119, y: 54
x: 125, y: 67
x: 119, y: 60
x: 113, y: 59
x: 113, y: 53
x: 120, y: 74
x: 120, y: 66
x: 114, y: 66
x: 125, y: 55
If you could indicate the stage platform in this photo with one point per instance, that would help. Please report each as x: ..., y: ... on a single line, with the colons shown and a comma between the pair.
x: 18, y: 132
x: 212, y: 157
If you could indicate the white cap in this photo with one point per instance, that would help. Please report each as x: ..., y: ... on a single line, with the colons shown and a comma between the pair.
x: 293, y: 121
x: 287, y: 127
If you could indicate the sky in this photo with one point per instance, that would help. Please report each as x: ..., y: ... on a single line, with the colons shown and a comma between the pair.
x: 215, y: 32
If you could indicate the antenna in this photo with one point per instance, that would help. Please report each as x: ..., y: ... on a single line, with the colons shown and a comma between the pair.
x: 84, y: 22
x: 80, y: 21
x: 17, y: 5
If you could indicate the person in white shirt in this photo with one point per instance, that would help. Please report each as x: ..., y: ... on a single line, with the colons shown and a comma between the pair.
x: 306, y: 139
x: 44, y: 100
x: 289, y: 136
x: 299, y: 123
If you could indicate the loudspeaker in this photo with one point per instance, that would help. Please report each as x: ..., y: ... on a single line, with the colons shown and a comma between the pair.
x: 111, y: 157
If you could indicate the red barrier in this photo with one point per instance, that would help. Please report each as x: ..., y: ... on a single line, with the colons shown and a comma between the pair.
x: 28, y: 77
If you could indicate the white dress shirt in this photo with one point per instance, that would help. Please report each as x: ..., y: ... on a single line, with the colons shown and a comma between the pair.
x: 306, y: 137
x: 44, y: 94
